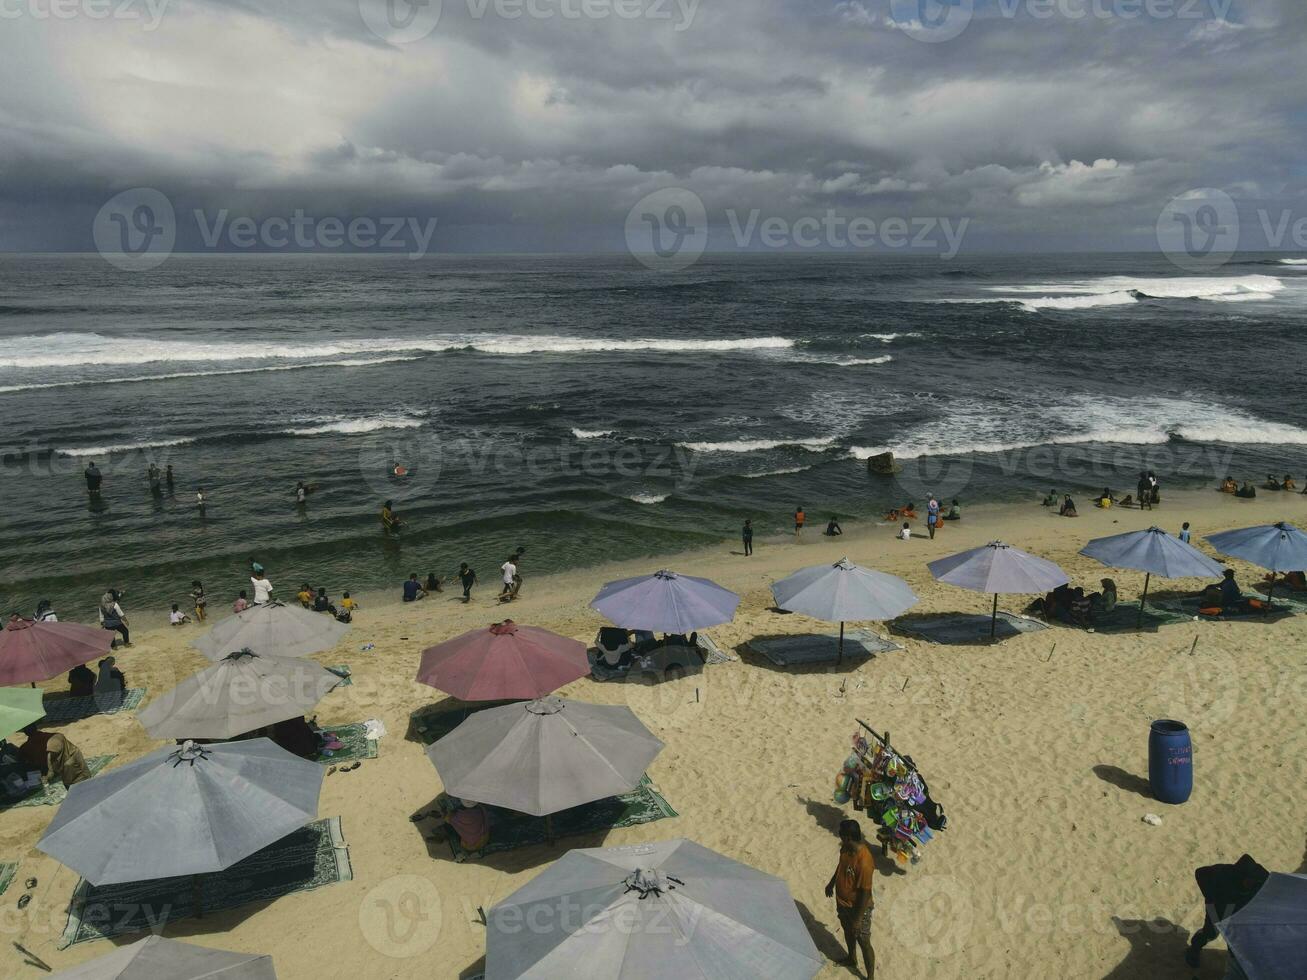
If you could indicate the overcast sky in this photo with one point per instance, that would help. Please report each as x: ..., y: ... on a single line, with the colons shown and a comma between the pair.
x: 1046, y: 123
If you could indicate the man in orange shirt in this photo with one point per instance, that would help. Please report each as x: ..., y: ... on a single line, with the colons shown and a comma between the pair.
x: 851, y: 887
x: 799, y: 518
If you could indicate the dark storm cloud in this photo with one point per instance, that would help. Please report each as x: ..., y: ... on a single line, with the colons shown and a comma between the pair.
x: 1049, y: 123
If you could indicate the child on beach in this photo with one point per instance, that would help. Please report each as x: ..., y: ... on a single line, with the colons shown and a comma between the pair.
x: 954, y: 512
x: 746, y: 535
x: 413, y: 590
x: 905, y: 533
x: 1068, y: 507
x: 799, y: 518
x: 199, y: 600
x: 1184, y: 533
x: 468, y: 577
x: 347, y: 607
x: 177, y: 617
x: 241, y: 604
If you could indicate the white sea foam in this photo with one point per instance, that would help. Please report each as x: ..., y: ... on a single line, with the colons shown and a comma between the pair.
x: 137, y: 379
x: 591, y: 433
x: 887, y: 338
x: 648, y: 498
x: 973, y: 427
x: 352, y: 427
x: 1126, y: 290
x: 784, y: 471
x: 125, y: 447
x: 756, y: 445
x: 1293, y: 261
x: 68, y: 350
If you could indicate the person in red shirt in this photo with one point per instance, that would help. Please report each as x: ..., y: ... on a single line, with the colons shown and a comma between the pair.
x: 851, y: 888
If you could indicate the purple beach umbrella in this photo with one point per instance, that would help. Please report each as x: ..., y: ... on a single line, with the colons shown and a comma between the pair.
x: 998, y: 568
x: 666, y: 603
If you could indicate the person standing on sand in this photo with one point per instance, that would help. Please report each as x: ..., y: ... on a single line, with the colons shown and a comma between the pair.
x: 468, y: 577
x: 1184, y: 533
x: 112, y: 616
x: 93, y: 479
x: 200, y: 600
x: 510, y: 572
x: 799, y: 518
x: 746, y: 534
x: 1144, y: 492
x: 932, y: 515
x: 850, y: 886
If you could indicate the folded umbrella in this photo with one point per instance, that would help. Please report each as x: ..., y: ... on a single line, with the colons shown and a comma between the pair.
x: 31, y: 651
x: 1276, y: 547
x: 671, y: 910
x: 666, y: 602
x: 183, y: 810
x: 506, y: 662
x: 843, y: 592
x: 238, y: 694
x: 998, y: 568
x: 272, y: 628
x: 19, y: 707
x: 544, y: 756
x: 156, y: 958
x: 1153, y: 552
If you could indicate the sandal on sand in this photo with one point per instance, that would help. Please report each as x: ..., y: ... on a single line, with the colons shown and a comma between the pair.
x: 331, y: 770
x: 22, y: 902
x: 29, y: 884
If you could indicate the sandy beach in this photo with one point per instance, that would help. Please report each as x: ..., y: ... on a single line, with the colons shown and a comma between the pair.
x: 1036, y: 746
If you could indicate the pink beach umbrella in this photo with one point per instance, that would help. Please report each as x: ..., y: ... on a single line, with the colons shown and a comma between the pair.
x: 31, y: 651
x: 506, y: 662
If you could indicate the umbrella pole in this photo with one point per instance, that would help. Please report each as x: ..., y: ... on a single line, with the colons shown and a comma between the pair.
x: 840, y: 658
x: 1139, y: 620
x: 993, y: 619
x: 1270, y: 593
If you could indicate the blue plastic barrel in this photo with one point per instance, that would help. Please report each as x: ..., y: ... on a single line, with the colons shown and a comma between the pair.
x: 1170, y: 761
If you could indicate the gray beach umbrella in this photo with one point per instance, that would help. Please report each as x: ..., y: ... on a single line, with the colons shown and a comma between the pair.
x: 543, y: 756
x: 1153, y: 552
x: 1268, y: 936
x: 666, y: 602
x: 156, y: 958
x: 241, y: 692
x: 183, y: 810
x: 671, y: 910
x: 1276, y: 547
x: 272, y: 628
x: 998, y: 568
x: 843, y: 592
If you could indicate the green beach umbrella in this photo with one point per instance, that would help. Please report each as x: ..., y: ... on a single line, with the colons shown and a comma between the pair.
x: 19, y: 707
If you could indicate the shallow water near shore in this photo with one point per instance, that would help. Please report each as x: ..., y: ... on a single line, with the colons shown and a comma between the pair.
x: 589, y: 409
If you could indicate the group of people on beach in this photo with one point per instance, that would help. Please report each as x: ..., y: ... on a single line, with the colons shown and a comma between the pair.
x: 907, y: 513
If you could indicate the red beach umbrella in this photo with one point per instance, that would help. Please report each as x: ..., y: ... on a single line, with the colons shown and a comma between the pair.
x: 506, y: 662
x: 31, y: 651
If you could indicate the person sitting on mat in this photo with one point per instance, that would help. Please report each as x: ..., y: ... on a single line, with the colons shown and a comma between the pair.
x: 465, y: 821
x: 81, y: 681
x: 53, y: 756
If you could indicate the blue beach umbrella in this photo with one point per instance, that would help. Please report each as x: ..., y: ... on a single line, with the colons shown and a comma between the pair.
x: 666, y: 602
x: 1153, y: 552
x: 1275, y: 547
x: 843, y: 592
x: 998, y: 568
x: 1268, y: 935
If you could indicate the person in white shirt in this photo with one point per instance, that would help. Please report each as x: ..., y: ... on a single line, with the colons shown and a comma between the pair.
x: 510, y: 572
x: 177, y: 617
x: 262, y: 589
x: 906, y: 533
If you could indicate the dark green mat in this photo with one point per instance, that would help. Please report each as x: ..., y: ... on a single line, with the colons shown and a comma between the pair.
x: 965, y: 628
x: 54, y: 793
x: 357, y: 744
x: 311, y: 857
x: 60, y: 708
x: 1122, y: 619
x: 432, y: 726
x: 346, y: 679
x: 510, y: 830
x: 1188, y: 608
x: 7, y: 871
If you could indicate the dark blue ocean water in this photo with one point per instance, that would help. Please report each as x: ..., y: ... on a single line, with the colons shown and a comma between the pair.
x: 589, y: 408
